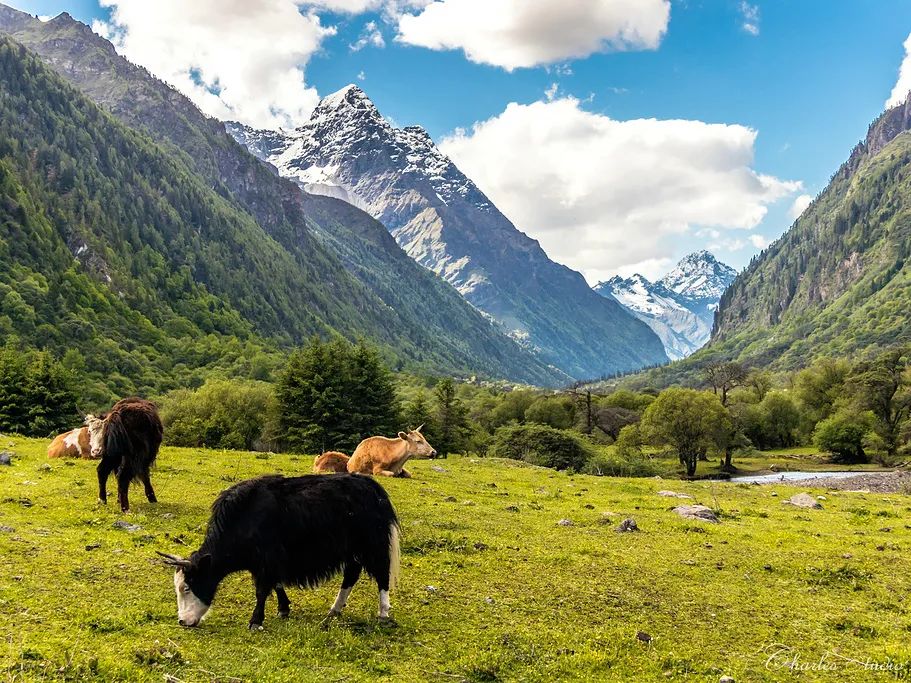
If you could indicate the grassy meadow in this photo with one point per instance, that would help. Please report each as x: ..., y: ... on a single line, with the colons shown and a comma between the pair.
x: 493, y: 587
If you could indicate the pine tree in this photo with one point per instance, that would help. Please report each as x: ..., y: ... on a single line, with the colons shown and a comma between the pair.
x: 451, y: 422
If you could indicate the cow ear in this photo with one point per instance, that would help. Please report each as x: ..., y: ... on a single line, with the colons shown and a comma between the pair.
x: 403, y: 435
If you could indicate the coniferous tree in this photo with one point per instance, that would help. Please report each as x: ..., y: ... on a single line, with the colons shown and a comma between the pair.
x: 451, y: 422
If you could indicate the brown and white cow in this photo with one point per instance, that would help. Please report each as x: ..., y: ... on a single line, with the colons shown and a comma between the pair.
x: 330, y: 461
x: 387, y: 457
x: 72, y: 444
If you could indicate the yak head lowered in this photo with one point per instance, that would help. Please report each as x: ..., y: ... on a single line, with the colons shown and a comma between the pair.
x: 194, y: 584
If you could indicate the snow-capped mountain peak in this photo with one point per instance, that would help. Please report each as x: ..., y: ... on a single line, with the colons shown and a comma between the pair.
x: 699, y: 276
x: 680, y: 307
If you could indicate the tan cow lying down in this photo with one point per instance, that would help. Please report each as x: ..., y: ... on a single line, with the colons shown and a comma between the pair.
x: 72, y: 444
x: 330, y: 461
x: 387, y: 457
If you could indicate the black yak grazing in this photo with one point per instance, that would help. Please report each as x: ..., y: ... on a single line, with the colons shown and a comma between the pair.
x: 294, y: 531
x: 127, y: 439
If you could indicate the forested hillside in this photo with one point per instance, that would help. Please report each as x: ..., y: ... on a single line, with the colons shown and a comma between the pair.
x: 837, y: 284
x: 115, y: 252
x: 332, y: 292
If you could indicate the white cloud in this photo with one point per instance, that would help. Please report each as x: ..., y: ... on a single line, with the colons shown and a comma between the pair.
x: 750, y: 15
x: 371, y: 35
x: 759, y: 241
x: 903, y: 86
x: 362, y: 75
x: 600, y: 193
x: 235, y: 59
x: 524, y: 33
x: 801, y: 202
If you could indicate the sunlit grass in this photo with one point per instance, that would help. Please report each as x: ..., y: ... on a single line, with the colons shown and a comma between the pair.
x: 492, y: 588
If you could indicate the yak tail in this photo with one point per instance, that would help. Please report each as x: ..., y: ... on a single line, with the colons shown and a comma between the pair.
x: 394, y: 554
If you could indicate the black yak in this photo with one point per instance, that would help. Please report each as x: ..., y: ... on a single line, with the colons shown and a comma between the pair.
x: 294, y: 531
x: 127, y: 439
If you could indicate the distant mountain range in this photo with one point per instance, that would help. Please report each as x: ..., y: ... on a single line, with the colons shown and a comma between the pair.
x: 182, y: 241
x: 446, y: 223
x: 680, y: 307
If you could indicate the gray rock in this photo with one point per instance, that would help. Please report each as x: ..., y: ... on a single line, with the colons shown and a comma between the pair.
x: 6, y: 458
x: 126, y: 526
x: 672, y: 494
x: 6, y: 529
x: 700, y: 512
x: 437, y: 468
x: 627, y: 525
x: 726, y: 679
x: 565, y: 522
x: 803, y: 500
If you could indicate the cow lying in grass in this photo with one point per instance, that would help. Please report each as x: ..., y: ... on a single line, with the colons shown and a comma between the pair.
x: 387, y: 457
x: 72, y: 444
x: 295, y: 531
x: 330, y: 461
x: 127, y: 440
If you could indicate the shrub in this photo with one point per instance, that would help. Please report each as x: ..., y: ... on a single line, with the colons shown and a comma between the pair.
x: 843, y: 435
x: 37, y: 395
x: 221, y: 414
x: 617, y: 464
x: 540, y: 445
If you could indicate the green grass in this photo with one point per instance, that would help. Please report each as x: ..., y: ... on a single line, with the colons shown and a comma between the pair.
x: 517, y: 597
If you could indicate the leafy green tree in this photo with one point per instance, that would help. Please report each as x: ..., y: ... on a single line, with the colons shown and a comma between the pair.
x: 450, y: 419
x: 233, y: 414
x: 628, y: 400
x: 724, y: 377
x: 842, y: 435
x: 780, y: 420
x: 689, y: 421
x: 884, y: 388
x: 555, y: 411
x: 540, y: 445
x: 819, y: 387
x: 332, y: 395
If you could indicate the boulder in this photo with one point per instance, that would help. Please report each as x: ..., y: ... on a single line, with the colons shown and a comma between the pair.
x: 627, y: 525
x: 673, y: 494
x: 6, y: 458
x: 803, y: 500
x: 700, y: 512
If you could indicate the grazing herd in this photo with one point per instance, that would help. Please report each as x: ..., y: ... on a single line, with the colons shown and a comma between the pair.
x: 285, y: 531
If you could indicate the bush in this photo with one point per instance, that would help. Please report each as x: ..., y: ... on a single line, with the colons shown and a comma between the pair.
x: 540, y: 445
x: 618, y: 464
x: 232, y: 414
x: 843, y: 436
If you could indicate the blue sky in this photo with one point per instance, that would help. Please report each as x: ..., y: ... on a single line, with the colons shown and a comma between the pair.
x: 809, y: 82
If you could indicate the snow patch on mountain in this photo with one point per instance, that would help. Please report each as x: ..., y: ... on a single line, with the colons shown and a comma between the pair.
x: 680, y: 307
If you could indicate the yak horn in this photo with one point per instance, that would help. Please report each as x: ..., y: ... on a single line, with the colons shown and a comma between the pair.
x: 173, y: 560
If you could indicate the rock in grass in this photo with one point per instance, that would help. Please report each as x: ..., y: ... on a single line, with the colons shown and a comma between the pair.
x: 6, y: 458
x: 673, y: 494
x: 437, y: 468
x: 700, y: 512
x: 726, y: 679
x: 643, y: 637
x: 804, y: 500
x: 627, y: 525
x: 126, y: 526
x: 6, y: 529
x: 565, y: 522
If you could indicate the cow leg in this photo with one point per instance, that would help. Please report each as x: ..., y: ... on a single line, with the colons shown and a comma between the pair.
x: 404, y: 474
x: 123, y: 491
x: 105, y: 467
x: 147, y: 484
x: 263, y: 589
x: 284, y: 605
x: 385, y: 473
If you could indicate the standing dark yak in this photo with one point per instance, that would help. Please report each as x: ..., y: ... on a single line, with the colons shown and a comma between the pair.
x: 127, y: 439
x: 295, y: 531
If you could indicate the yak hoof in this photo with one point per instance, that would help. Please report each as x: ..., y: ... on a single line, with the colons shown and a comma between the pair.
x: 102, y: 501
x: 284, y: 613
x: 324, y: 624
x: 256, y: 627
x: 388, y: 622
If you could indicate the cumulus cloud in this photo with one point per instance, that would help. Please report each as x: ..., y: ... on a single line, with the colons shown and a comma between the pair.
x: 600, y: 193
x: 523, y: 33
x: 759, y: 241
x: 750, y: 16
x: 235, y: 59
x: 801, y: 202
x: 903, y: 86
x: 371, y: 35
